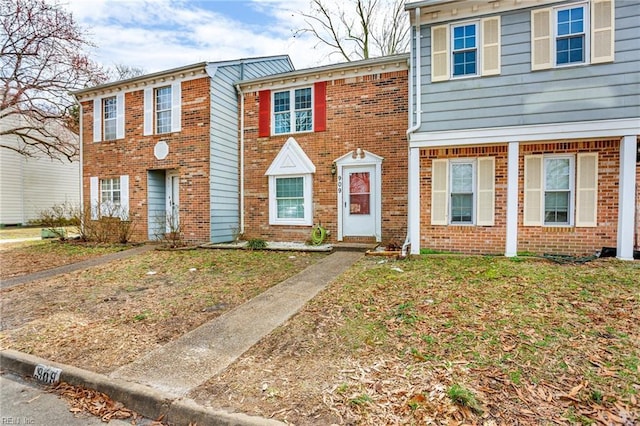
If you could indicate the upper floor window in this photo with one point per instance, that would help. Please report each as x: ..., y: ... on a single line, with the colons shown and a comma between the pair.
x: 109, y: 117
x: 292, y: 111
x: 579, y: 33
x: 163, y: 109
x: 465, y: 49
x: 570, y: 35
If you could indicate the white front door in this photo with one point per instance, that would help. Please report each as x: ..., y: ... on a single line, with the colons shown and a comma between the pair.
x: 173, y: 202
x: 359, y: 201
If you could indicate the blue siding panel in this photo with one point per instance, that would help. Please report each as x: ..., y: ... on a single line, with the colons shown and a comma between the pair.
x: 224, y: 161
x: 519, y: 96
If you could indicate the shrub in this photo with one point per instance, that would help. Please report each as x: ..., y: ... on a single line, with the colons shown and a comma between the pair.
x: 256, y: 244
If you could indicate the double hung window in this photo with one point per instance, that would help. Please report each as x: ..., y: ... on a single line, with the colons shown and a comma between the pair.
x: 465, y: 49
x: 574, y: 34
x: 109, y: 115
x: 108, y: 118
x: 290, y: 197
x: 558, y: 187
x: 293, y: 111
x: 462, y: 192
x: 561, y: 190
x: 570, y: 35
x: 163, y: 109
x: 109, y: 197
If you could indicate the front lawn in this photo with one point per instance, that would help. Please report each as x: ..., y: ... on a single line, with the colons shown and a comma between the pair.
x: 451, y: 340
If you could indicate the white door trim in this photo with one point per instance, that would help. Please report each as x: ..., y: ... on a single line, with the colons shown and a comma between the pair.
x: 356, y: 158
x: 169, y: 202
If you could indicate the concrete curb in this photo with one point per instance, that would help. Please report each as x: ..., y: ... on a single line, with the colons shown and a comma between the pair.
x: 139, y: 398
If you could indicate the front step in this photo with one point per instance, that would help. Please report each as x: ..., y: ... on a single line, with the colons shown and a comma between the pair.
x: 352, y: 246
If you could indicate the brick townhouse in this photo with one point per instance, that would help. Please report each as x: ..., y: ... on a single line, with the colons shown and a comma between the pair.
x: 161, y: 149
x: 326, y: 145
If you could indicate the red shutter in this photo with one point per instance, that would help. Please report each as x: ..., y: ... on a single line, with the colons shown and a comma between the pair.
x: 264, y: 115
x: 320, y: 107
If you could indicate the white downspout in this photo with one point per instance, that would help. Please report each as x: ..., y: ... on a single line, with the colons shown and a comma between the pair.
x: 81, y: 157
x: 241, y: 158
x: 417, y: 110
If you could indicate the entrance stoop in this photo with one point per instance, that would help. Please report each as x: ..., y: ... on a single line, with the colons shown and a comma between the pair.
x: 359, y: 244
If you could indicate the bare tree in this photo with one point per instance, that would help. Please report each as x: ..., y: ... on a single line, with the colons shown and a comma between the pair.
x: 122, y: 72
x: 358, y: 29
x: 42, y: 59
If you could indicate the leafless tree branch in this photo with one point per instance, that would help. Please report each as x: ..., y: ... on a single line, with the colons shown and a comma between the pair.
x: 358, y: 29
x: 42, y: 59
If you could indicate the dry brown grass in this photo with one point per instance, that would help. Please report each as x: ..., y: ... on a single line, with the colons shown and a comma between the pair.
x: 436, y: 340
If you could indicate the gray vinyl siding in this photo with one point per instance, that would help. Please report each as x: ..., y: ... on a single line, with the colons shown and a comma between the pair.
x: 29, y: 185
x: 156, y: 201
x: 519, y: 96
x: 225, y: 163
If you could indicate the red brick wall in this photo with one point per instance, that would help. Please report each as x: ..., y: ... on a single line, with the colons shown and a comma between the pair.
x: 536, y: 239
x: 464, y: 238
x: 133, y: 156
x: 573, y: 240
x: 368, y: 112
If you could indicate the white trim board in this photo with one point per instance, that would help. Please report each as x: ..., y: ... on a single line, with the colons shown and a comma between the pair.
x: 532, y: 133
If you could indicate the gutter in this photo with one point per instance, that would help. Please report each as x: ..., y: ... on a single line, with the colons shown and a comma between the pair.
x: 415, y: 53
x: 81, y: 156
x: 239, y: 89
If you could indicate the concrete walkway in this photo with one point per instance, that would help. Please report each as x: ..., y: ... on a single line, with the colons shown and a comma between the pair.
x: 156, y: 385
x: 186, y: 363
x: 65, y: 269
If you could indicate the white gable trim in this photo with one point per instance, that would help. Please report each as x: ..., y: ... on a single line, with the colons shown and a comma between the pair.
x: 291, y: 160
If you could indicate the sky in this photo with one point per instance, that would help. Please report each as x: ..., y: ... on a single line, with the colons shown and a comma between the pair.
x: 155, y: 35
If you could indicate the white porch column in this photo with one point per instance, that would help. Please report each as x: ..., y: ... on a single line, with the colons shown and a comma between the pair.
x: 627, y: 197
x: 413, y: 203
x: 511, y: 246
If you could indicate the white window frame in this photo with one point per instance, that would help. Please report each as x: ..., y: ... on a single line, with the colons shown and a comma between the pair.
x: 586, y: 32
x: 157, y: 111
x: 307, y: 201
x: 572, y: 189
x: 292, y: 110
x: 112, y: 120
x: 477, y: 48
x: 107, y: 204
x: 474, y: 185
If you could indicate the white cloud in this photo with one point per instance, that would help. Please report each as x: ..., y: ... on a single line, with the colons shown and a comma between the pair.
x: 162, y: 34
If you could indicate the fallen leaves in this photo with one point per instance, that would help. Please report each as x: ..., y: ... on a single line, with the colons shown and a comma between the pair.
x: 81, y: 399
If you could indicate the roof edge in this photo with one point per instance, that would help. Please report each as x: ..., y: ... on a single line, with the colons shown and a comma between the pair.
x: 364, y: 63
